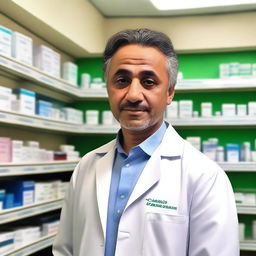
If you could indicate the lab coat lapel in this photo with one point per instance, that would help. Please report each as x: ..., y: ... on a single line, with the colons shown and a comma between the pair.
x: 103, y: 180
x: 171, y: 146
x: 149, y: 176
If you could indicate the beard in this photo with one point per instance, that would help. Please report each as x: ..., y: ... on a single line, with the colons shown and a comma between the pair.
x: 136, y: 127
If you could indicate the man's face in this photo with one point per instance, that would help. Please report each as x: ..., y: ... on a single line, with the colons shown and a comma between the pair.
x: 137, y: 87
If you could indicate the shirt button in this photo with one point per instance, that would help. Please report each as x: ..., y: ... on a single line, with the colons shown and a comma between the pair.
x: 122, y: 196
x: 119, y: 211
x: 127, y: 165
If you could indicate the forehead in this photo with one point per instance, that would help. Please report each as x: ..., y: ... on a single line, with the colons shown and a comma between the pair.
x: 138, y: 55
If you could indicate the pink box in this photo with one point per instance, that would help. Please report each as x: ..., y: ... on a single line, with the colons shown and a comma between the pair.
x: 5, y: 149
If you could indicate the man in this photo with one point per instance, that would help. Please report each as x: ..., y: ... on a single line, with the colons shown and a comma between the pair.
x: 148, y: 192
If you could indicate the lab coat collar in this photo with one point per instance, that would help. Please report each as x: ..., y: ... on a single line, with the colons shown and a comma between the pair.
x: 172, y: 144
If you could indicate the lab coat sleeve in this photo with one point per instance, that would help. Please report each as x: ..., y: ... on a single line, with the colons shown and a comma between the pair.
x: 63, y: 244
x: 213, y: 216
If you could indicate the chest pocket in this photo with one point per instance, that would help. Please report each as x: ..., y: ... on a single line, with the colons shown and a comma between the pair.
x: 165, y: 235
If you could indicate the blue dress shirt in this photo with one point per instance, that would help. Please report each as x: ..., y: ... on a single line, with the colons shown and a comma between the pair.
x: 125, y: 174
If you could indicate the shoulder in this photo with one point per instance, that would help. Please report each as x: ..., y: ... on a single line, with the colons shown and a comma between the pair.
x: 91, y: 157
x: 198, y: 167
x: 195, y: 160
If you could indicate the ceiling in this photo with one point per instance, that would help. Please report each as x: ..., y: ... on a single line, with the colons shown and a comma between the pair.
x: 144, y: 8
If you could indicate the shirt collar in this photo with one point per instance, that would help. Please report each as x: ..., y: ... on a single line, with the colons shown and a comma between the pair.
x: 150, y: 144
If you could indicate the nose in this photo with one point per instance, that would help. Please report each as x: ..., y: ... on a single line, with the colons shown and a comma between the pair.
x: 134, y: 91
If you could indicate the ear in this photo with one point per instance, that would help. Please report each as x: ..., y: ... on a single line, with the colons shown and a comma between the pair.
x: 170, y: 95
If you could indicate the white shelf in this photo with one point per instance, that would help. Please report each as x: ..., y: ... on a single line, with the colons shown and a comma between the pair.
x: 232, y: 84
x: 215, y: 121
x: 19, y: 119
x: 17, y: 213
x: 36, y: 246
x: 246, y: 209
x: 238, y: 167
x: 14, y: 169
x: 35, y: 75
x: 248, y: 245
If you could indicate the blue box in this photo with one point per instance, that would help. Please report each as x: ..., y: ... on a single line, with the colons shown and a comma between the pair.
x: 2, y: 197
x: 8, y: 201
x: 23, y: 192
x: 44, y: 108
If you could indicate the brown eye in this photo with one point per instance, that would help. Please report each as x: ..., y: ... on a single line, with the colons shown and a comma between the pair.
x: 122, y: 82
x: 148, y: 83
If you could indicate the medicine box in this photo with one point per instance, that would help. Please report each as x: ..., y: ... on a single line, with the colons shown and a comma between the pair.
x: 206, y: 109
x: 241, y: 110
x: 27, y: 101
x: 5, y: 98
x: 44, y: 108
x: 107, y: 117
x: 55, y: 64
x: 70, y: 72
x: 195, y: 141
x: 9, y: 201
x: 232, y: 153
x: 5, y: 149
x: 185, y: 108
x: 43, y: 58
x: 252, y: 108
x: 6, y: 242
x: 5, y: 41
x: 85, y: 81
x: 92, y: 117
x: 22, y: 48
x: 17, y: 151
x: 172, y: 110
x: 245, y: 70
x: 228, y: 110
x: 2, y: 196
x: 23, y: 192
x: 73, y: 115
x: 209, y: 149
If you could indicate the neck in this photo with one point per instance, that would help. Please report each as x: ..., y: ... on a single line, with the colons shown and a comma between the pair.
x: 133, y: 138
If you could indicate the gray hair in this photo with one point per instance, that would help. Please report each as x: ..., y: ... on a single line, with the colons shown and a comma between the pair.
x: 144, y: 37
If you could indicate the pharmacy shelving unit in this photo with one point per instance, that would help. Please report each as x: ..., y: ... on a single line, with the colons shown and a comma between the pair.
x: 33, y: 247
x: 34, y: 75
x: 18, y: 213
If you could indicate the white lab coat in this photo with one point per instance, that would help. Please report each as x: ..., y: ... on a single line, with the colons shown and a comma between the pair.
x: 182, y: 205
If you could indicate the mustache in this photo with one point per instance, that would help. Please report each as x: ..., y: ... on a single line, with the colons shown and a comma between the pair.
x: 135, y: 106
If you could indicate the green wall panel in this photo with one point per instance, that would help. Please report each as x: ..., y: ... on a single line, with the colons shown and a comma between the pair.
x: 206, y: 65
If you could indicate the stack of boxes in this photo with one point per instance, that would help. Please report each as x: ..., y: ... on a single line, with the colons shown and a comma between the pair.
x: 14, y: 238
x: 232, y: 153
x: 236, y: 69
x: 21, y: 193
x: 17, y: 151
x: 184, y: 109
x: 5, y: 41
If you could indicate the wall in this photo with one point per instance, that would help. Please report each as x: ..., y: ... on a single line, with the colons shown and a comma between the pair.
x: 79, y: 29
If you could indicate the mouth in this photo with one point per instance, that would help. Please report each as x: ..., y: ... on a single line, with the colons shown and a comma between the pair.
x: 134, y: 110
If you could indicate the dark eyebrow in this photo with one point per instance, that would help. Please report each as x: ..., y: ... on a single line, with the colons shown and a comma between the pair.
x: 122, y: 72
x: 127, y: 72
x: 148, y: 73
